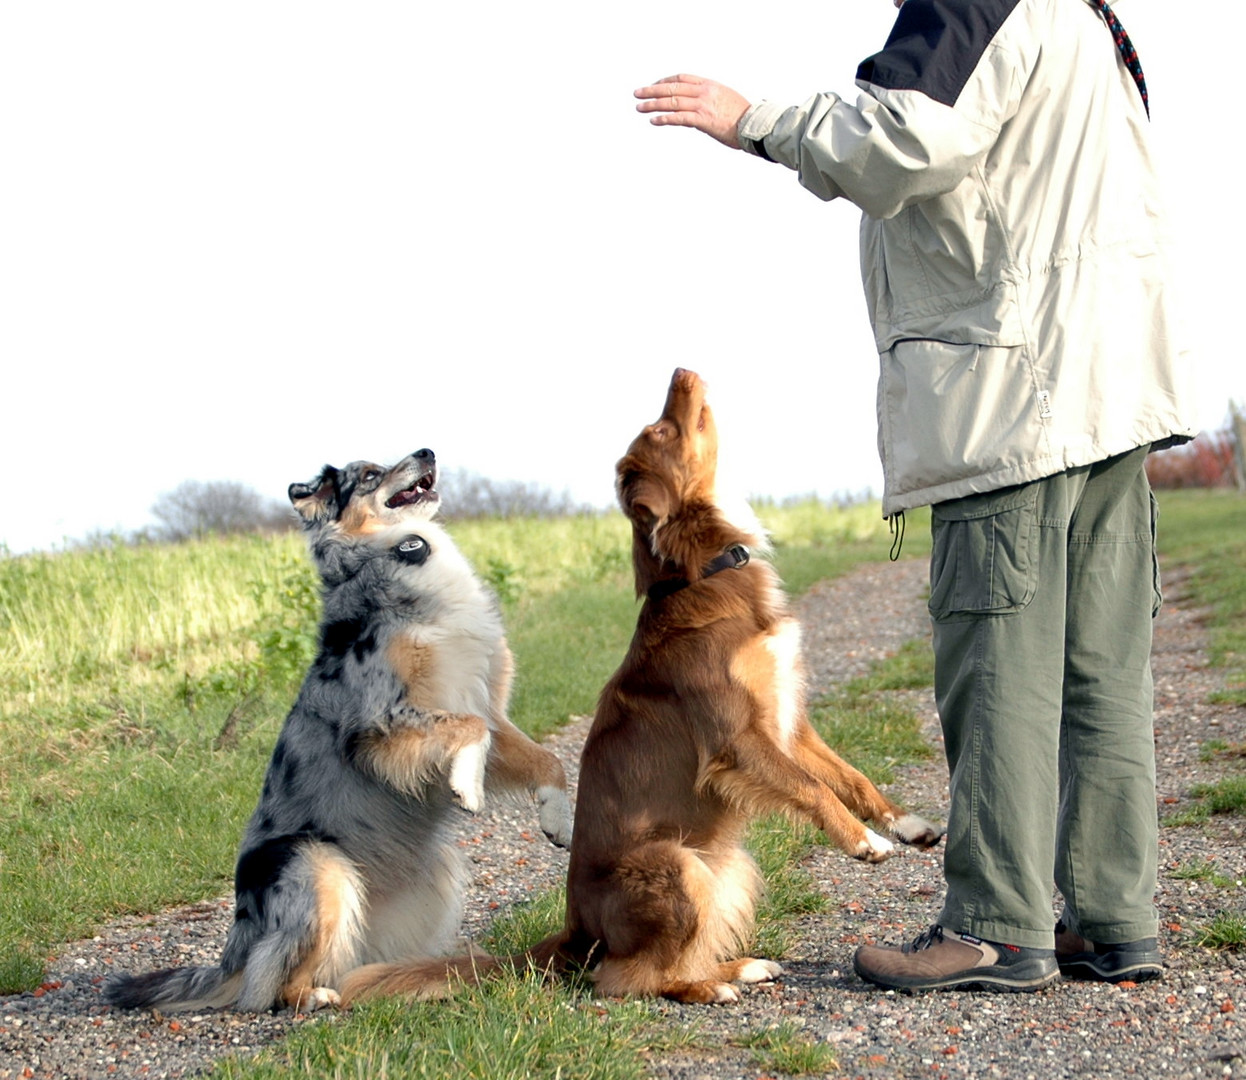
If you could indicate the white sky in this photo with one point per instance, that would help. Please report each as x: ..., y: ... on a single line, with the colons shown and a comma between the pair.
x: 241, y: 239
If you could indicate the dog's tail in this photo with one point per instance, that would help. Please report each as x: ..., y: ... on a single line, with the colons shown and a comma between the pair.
x: 423, y: 979
x: 174, y: 989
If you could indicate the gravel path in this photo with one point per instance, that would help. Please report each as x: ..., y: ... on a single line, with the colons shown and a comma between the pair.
x: 1185, y: 1025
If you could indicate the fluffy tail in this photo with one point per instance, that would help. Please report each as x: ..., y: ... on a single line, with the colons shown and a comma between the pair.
x: 423, y: 979
x: 174, y: 989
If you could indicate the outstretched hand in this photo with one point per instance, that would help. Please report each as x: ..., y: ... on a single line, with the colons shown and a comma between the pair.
x: 690, y: 101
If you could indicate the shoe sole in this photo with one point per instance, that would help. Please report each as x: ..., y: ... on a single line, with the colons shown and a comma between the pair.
x: 1014, y: 979
x: 1091, y: 967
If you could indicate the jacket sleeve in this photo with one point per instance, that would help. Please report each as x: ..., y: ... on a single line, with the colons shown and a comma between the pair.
x: 931, y: 105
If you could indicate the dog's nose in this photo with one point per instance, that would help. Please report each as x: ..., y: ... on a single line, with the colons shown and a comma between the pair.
x: 425, y: 455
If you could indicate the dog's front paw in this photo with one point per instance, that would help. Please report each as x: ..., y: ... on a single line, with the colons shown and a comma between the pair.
x: 758, y: 971
x: 873, y: 848
x: 911, y: 829
x: 555, y: 815
x: 467, y: 776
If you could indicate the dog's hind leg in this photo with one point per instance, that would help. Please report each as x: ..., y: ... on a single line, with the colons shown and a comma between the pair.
x: 668, y: 917
x: 312, y: 915
x: 338, y: 926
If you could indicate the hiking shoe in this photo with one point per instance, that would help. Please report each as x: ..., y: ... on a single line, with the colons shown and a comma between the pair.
x: 943, y: 961
x: 1132, y: 961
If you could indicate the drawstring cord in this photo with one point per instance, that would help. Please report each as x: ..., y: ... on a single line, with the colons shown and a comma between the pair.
x: 895, y: 525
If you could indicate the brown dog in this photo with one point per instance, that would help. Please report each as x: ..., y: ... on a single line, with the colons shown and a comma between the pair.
x: 702, y: 728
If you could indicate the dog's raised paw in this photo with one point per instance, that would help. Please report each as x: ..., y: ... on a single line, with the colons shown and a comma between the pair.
x: 467, y: 777
x: 555, y: 815
x: 911, y: 829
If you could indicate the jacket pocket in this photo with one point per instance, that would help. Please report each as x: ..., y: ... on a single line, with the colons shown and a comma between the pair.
x: 950, y: 412
x: 985, y: 554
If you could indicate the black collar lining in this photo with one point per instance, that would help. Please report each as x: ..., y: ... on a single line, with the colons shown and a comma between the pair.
x: 733, y: 558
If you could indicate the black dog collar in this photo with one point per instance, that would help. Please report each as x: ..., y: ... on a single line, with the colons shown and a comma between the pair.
x: 733, y: 558
x: 412, y: 549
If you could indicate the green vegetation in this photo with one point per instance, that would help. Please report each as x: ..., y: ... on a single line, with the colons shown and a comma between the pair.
x: 784, y: 1049
x: 1205, y: 531
x: 812, y: 543
x: 509, y: 1029
x: 1218, y: 749
x: 141, y: 689
x: 1227, y: 796
x: 870, y: 728
x: 1226, y: 931
x: 1201, y: 870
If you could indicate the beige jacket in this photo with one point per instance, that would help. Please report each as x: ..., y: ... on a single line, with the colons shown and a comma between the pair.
x: 1014, y: 249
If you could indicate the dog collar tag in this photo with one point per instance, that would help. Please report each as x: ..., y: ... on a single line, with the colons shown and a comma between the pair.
x: 412, y: 550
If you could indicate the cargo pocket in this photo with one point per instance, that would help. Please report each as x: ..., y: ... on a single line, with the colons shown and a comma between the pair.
x: 985, y: 554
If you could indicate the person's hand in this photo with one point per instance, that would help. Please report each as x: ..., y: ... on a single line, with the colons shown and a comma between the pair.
x: 690, y: 101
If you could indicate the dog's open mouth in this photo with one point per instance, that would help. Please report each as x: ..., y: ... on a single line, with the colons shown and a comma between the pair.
x: 423, y: 487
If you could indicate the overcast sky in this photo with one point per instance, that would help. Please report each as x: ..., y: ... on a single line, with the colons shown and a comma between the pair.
x: 242, y: 239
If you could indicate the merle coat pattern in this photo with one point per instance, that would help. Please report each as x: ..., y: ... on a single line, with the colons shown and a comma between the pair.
x: 348, y: 858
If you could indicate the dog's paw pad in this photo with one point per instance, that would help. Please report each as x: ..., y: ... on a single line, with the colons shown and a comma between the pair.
x: 873, y: 848
x: 758, y: 971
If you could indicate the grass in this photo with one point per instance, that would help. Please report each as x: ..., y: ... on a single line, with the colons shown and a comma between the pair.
x: 518, y: 1025
x: 1205, y: 531
x: 509, y: 1029
x: 1201, y: 870
x: 784, y: 1049
x: 1226, y: 931
x: 1227, y: 796
x: 1224, y: 796
x: 141, y: 690
x: 1218, y: 749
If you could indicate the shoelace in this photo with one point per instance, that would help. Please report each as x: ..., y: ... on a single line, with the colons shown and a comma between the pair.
x: 927, y: 938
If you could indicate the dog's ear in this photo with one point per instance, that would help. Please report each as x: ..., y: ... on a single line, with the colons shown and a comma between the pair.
x: 644, y: 499
x: 316, y: 500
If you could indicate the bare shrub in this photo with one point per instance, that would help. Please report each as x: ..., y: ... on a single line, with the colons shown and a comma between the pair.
x: 1207, y: 462
x: 469, y: 495
x: 198, y: 508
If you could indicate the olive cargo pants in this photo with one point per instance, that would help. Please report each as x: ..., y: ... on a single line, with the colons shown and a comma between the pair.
x: 1042, y: 598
